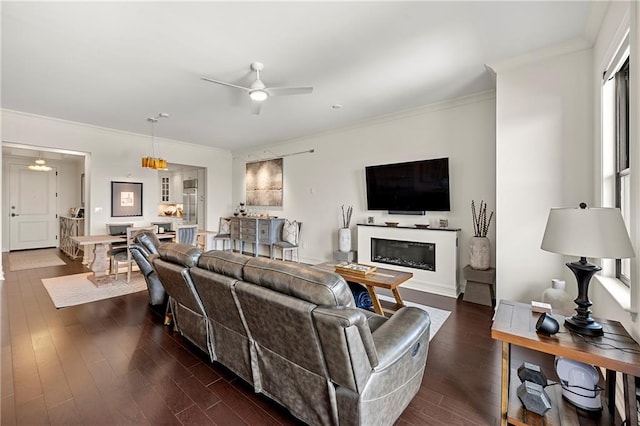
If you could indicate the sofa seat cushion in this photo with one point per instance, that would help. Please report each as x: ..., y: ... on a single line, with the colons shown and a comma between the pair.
x: 300, y: 281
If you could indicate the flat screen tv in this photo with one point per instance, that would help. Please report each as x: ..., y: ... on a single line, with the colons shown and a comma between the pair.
x: 409, y: 188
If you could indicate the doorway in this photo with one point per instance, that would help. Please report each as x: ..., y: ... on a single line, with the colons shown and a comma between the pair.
x: 32, y: 208
x: 34, y: 200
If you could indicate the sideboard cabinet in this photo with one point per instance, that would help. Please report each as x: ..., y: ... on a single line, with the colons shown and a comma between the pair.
x: 256, y: 231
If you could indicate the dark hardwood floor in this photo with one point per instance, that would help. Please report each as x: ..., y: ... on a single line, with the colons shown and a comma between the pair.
x: 113, y: 362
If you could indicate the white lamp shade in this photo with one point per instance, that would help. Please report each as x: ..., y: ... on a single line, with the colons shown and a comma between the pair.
x: 591, y: 232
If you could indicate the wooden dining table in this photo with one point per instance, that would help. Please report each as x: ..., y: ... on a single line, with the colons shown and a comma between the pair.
x: 99, y: 265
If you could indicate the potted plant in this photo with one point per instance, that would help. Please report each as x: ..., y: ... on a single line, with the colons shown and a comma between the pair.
x: 479, y: 244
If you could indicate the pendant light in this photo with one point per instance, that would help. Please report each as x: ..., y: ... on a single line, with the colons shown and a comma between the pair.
x: 39, y: 165
x: 154, y: 162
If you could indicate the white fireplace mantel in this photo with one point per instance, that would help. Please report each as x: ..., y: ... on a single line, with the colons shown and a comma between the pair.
x: 443, y: 281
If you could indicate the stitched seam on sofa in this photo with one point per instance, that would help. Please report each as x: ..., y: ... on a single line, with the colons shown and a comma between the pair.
x: 325, y: 377
x: 189, y: 281
x: 319, y: 344
x: 223, y: 259
x: 348, y: 348
x: 253, y: 356
x: 351, y: 360
x: 404, y: 385
x: 279, y: 271
x: 206, y: 328
x: 347, y: 323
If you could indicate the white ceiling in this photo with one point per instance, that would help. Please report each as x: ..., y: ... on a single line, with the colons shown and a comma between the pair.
x: 113, y: 64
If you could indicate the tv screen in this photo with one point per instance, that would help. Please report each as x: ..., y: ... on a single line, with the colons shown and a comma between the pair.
x: 412, y: 187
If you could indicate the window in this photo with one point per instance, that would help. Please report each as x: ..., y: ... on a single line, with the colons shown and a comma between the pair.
x: 164, y: 189
x: 615, y: 132
x: 623, y: 171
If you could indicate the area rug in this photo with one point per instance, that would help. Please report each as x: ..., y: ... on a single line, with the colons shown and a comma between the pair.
x: 30, y: 259
x: 438, y: 316
x: 71, y: 290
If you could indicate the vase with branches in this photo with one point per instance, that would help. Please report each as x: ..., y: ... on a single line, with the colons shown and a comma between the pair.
x: 479, y: 244
x: 481, y: 222
x: 346, y: 216
x: 344, y: 233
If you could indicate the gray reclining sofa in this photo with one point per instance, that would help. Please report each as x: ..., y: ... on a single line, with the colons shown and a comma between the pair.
x: 294, y: 333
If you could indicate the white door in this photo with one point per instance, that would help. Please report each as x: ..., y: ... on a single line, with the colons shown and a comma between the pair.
x: 32, y: 207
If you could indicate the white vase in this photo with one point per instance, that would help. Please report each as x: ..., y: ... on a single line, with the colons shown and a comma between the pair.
x: 479, y: 253
x: 344, y: 240
x: 558, y: 298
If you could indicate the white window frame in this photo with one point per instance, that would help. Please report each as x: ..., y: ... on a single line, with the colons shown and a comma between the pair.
x: 619, y: 290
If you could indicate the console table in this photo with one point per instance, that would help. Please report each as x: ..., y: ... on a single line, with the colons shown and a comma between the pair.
x: 70, y: 227
x: 256, y: 231
x: 515, y: 324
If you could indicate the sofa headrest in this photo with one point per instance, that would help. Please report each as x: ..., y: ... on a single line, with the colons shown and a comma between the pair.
x: 300, y: 281
x: 147, y: 239
x: 181, y: 254
x: 224, y: 262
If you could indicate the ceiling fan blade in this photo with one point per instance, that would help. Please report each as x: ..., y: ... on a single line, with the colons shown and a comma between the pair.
x: 286, y: 91
x: 255, y: 107
x: 225, y: 83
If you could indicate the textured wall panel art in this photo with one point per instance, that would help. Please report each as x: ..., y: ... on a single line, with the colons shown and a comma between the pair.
x: 264, y: 183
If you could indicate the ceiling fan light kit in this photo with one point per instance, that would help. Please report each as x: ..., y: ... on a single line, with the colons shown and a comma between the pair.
x: 258, y: 95
x: 259, y: 92
x: 153, y: 162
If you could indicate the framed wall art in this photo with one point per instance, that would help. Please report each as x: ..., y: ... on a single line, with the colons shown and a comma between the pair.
x: 264, y: 183
x: 126, y: 199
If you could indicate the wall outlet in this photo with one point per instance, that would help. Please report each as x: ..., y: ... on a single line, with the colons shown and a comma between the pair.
x: 303, y: 245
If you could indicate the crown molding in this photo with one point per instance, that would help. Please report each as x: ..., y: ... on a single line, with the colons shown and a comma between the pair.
x: 571, y: 46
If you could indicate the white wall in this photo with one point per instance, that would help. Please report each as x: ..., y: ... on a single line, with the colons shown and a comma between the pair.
x: 317, y: 184
x: 543, y: 159
x: 114, y: 155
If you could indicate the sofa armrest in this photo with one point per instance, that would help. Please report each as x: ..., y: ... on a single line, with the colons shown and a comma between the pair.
x: 373, y: 320
x: 351, y: 317
x: 400, y: 334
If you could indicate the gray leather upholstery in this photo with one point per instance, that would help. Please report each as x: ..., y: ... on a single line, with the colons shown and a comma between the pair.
x: 172, y: 264
x: 215, y: 279
x: 145, y: 248
x: 295, y: 334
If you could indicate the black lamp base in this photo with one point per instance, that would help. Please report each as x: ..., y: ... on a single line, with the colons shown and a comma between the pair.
x: 582, y: 322
x: 577, y: 325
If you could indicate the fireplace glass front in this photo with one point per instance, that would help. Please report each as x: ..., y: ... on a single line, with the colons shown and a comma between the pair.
x: 410, y: 254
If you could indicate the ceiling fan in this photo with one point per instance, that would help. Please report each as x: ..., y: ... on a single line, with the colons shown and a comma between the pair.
x: 258, y: 91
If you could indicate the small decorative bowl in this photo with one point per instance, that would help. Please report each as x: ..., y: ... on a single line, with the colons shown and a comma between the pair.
x: 391, y: 223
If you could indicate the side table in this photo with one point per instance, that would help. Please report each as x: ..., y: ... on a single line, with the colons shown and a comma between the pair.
x: 480, y: 287
x: 616, y: 351
x: 341, y: 256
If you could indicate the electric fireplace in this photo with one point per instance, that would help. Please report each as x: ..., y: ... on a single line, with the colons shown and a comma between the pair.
x: 410, y: 254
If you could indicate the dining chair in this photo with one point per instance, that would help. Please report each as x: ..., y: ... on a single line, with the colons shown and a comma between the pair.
x: 125, y: 256
x: 187, y: 234
x: 224, y: 233
x: 167, y: 226
x: 117, y: 229
x: 290, y: 240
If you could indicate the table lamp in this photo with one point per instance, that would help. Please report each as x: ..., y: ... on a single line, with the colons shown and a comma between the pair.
x: 586, y: 232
